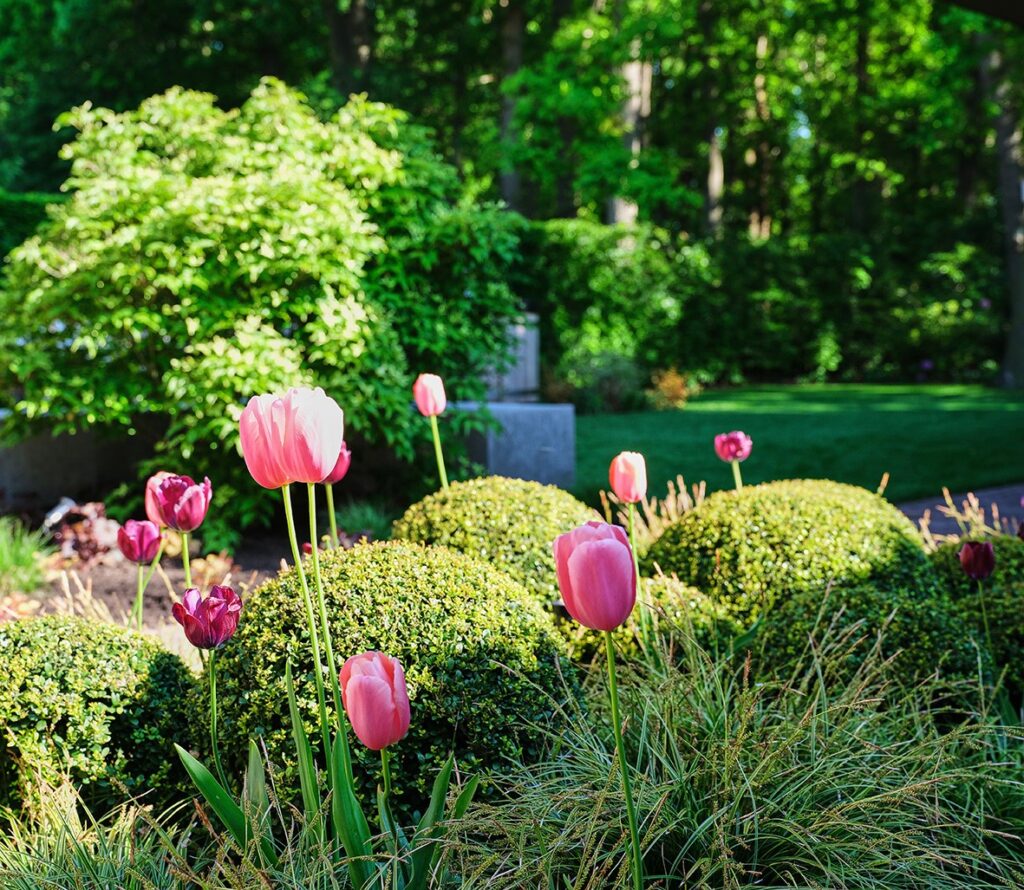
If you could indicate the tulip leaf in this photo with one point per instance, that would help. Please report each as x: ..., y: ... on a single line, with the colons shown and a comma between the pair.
x: 350, y: 823
x: 427, y: 851
x: 256, y: 801
x: 229, y: 812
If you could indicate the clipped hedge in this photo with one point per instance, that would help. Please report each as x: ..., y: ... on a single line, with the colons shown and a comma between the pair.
x: 98, y: 701
x: 1004, y: 601
x: 509, y: 523
x: 920, y: 627
x: 680, y: 610
x: 748, y: 549
x: 484, y: 664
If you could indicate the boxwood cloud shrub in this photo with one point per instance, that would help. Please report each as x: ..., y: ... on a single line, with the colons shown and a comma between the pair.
x: 485, y: 666
x: 510, y: 523
x: 96, y: 701
x: 748, y: 549
x: 205, y: 254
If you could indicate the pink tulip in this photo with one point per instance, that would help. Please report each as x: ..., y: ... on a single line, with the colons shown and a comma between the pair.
x: 628, y: 477
x: 596, y: 575
x: 733, y: 446
x: 211, y: 622
x: 978, y: 559
x: 428, y: 391
x: 182, y: 503
x: 295, y: 437
x: 152, y: 508
x: 376, y: 699
x: 341, y: 467
x: 139, y: 541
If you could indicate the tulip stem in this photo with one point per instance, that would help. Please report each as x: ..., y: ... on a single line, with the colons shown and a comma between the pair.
x: 736, y: 475
x: 212, y: 668
x: 984, y: 614
x: 437, y: 451
x: 137, y: 608
x: 185, y: 564
x: 634, y: 835
x: 318, y: 672
x: 325, y: 627
x: 331, y: 518
x: 385, y: 763
x: 645, y: 618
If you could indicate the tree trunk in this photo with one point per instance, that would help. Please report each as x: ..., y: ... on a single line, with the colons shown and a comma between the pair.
x: 638, y: 77
x: 513, y: 30
x: 715, y: 182
x: 1011, y: 204
x: 349, y: 44
x: 859, y: 194
x: 760, y: 215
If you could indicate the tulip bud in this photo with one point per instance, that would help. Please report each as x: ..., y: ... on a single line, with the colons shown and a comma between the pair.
x: 628, y: 477
x: 978, y: 559
x: 428, y: 391
x: 596, y: 575
x: 376, y: 700
x: 139, y: 541
x: 182, y: 503
x: 152, y: 507
x: 341, y: 467
x: 211, y: 622
x: 733, y: 446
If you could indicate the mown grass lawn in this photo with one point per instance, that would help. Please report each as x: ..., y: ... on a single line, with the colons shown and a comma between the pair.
x: 925, y: 437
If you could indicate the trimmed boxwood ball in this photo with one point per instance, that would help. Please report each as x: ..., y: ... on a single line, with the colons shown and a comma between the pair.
x: 509, y: 523
x: 1004, y: 601
x: 921, y: 627
x: 96, y: 701
x: 749, y: 548
x: 486, y: 669
x: 679, y: 610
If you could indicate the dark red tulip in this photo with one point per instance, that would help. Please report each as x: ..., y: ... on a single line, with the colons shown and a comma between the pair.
x: 978, y: 559
x: 209, y: 622
x: 139, y: 541
x: 182, y: 503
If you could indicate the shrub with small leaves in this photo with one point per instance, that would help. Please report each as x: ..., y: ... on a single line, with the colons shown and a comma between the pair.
x: 1003, y: 594
x: 750, y: 548
x: 510, y: 523
x: 485, y: 667
x: 97, y: 701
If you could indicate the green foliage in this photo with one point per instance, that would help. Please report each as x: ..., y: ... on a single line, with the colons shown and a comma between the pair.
x: 826, y: 779
x: 750, y: 549
x: 96, y: 702
x: 681, y: 613
x: 21, y: 557
x: 919, y: 627
x: 1003, y: 595
x: 509, y: 523
x: 484, y: 665
x: 208, y: 255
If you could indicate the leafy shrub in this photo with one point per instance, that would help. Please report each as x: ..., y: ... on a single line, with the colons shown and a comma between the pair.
x: 484, y: 664
x: 1003, y: 599
x: 98, y: 701
x: 206, y: 254
x: 509, y: 523
x: 21, y: 554
x: 920, y: 627
x: 680, y: 612
x: 749, y: 548
x: 804, y: 782
x: 599, y: 383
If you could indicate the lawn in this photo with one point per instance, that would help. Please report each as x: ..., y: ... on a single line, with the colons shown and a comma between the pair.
x: 925, y: 437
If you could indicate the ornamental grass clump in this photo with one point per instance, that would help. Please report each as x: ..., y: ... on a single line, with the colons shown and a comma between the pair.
x: 748, y: 549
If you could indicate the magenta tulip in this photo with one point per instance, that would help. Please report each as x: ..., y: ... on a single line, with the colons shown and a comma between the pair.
x: 152, y: 507
x: 428, y: 391
x: 596, y: 575
x: 139, y: 541
x: 182, y: 503
x: 376, y: 699
x: 209, y: 623
x: 628, y: 477
x: 978, y: 559
x: 341, y: 467
x: 733, y: 446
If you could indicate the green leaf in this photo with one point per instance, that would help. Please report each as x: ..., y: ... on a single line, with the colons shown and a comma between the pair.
x: 254, y: 794
x: 307, y: 768
x: 350, y: 823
